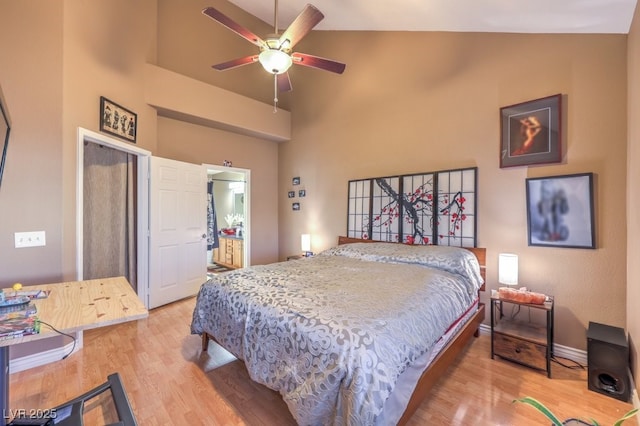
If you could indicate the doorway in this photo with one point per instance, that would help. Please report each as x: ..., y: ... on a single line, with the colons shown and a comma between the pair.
x: 110, y: 204
x: 230, y: 203
x: 87, y: 138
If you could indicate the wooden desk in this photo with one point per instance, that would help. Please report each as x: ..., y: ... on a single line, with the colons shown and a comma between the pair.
x: 71, y: 307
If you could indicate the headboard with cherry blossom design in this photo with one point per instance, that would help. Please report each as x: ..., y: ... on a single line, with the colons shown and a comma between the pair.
x: 436, y: 208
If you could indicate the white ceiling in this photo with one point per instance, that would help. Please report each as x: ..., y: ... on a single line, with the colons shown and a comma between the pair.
x: 520, y: 16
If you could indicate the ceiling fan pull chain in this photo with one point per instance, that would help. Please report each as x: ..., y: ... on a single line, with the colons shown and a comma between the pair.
x: 275, y: 93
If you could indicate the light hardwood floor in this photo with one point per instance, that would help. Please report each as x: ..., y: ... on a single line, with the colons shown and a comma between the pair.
x: 170, y: 381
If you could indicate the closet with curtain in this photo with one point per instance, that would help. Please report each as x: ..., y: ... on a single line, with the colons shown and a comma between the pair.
x: 109, y: 213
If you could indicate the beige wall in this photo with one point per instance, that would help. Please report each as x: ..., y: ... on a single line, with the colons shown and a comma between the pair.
x: 105, y: 51
x: 31, y: 75
x: 633, y: 194
x: 408, y: 102
x: 436, y: 106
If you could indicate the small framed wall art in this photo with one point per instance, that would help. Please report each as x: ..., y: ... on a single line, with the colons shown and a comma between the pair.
x: 531, y: 132
x: 560, y: 211
x: 118, y: 120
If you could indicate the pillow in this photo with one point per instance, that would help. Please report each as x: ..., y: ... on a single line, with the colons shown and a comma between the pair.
x: 455, y: 260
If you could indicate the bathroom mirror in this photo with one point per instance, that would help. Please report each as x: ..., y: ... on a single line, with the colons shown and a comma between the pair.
x: 238, y: 204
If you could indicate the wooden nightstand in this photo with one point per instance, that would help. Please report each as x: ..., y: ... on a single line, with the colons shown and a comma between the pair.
x: 518, y: 338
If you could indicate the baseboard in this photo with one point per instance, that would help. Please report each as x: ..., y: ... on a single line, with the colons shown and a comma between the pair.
x: 45, y: 357
x: 560, y: 351
x: 573, y: 354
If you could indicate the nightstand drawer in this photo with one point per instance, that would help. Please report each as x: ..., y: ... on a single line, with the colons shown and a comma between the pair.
x: 522, y: 351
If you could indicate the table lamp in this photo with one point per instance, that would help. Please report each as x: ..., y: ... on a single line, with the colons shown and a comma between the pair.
x: 305, y: 244
x: 508, y: 269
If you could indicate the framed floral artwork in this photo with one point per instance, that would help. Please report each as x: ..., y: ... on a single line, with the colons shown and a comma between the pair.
x: 427, y: 208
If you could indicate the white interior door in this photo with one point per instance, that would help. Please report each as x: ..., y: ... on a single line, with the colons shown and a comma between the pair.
x: 178, y: 228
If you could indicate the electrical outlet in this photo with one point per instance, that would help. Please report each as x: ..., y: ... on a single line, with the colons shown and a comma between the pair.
x: 30, y: 239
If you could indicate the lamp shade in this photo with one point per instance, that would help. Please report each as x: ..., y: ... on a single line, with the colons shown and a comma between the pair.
x: 305, y: 243
x: 275, y: 61
x: 508, y: 269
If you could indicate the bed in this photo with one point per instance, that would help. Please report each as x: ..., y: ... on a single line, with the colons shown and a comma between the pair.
x: 357, y: 334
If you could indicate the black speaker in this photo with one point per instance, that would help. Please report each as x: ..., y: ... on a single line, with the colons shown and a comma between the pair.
x: 608, y: 361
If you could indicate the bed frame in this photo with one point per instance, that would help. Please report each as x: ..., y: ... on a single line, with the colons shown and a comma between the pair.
x: 445, y: 358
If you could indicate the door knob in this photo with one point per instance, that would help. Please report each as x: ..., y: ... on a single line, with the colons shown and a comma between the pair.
x: 204, y: 236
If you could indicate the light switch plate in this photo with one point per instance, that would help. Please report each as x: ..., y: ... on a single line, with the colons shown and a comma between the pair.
x: 30, y: 239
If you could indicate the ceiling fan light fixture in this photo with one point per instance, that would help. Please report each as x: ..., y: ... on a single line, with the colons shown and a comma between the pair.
x: 275, y: 61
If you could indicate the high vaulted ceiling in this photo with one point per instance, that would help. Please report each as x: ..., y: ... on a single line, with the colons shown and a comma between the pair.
x: 514, y: 16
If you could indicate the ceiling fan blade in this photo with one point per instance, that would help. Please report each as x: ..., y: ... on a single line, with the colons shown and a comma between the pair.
x: 300, y: 26
x: 236, y: 63
x: 284, y: 82
x: 318, y: 62
x: 223, y: 19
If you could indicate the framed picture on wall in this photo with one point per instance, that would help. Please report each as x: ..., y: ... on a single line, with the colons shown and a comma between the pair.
x: 560, y: 211
x: 118, y: 120
x: 531, y: 132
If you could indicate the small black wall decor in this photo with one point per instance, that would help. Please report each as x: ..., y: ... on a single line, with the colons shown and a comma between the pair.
x: 436, y: 208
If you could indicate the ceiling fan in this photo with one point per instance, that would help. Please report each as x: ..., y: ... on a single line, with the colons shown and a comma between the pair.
x: 275, y: 50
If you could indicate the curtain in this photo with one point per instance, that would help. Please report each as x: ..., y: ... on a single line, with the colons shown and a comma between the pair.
x: 212, y: 223
x: 109, y: 229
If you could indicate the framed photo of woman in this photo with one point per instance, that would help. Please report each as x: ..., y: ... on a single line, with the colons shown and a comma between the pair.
x: 531, y: 132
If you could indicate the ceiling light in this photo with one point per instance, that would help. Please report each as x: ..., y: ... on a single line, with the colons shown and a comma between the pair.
x: 275, y: 61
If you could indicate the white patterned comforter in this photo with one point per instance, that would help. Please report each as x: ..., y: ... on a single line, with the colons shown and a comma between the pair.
x: 333, y: 332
